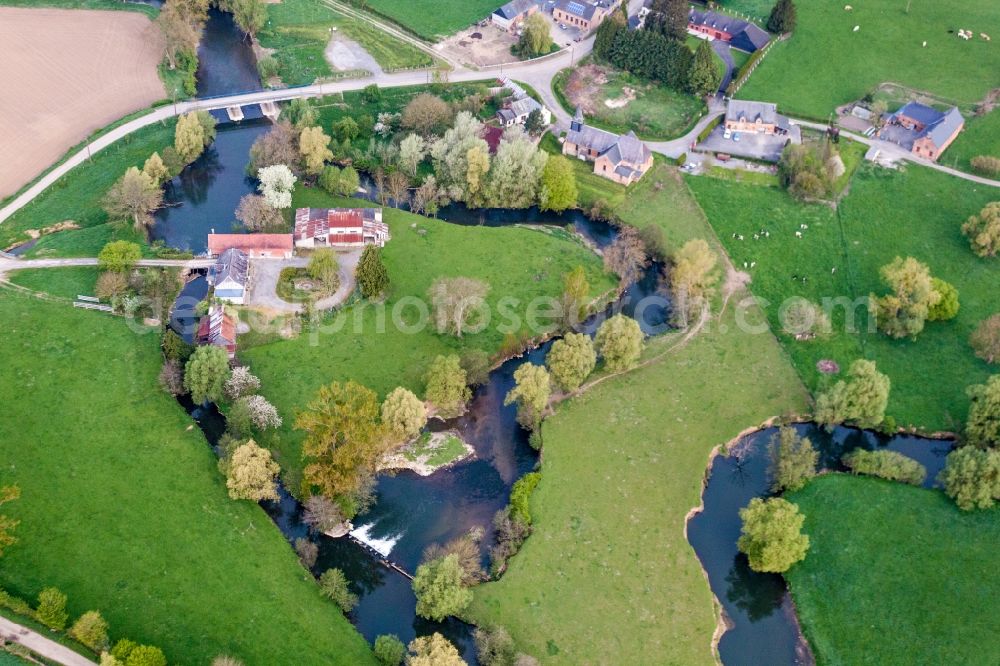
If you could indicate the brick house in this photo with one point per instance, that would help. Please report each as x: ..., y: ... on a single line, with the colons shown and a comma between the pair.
x: 740, y: 34
x: 758, y: 117
x: 219, y: 329
x: 936, y: 130
x: 623, y: 159
x: 340, y: 227
x: 512, y: 15
x: 583, y: 14
x: 267, y: 246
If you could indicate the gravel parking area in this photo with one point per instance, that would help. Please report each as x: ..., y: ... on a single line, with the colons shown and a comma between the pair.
x: 264, y: 274
x: 766, y: 147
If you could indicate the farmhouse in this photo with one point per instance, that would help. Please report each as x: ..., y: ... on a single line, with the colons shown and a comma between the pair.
x: 519, y: 106
x: 229, y: 276
x: 217, y: 328
x: 931, y: 131
x: 512, y: 15
x: 740, y: 34
x: 583, y: 14
x: 269, y: 246
x: 759, y: 117
x: 623, y: 159
x: 340, y: 227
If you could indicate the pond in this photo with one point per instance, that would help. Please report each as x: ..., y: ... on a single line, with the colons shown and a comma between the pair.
x: 764, y: 629
x: 204, y: 197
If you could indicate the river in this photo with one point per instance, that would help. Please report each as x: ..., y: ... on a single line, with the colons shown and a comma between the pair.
x: 764, y: 629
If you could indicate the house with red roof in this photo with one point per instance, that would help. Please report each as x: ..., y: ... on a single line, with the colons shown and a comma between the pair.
x: 268, y: 246
x: 339, y: 227
x: 219, y: 329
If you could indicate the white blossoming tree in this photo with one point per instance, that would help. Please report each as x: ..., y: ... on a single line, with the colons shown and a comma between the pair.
x: 262, y: 414
x: 240, y: 383
x: 276, y: 184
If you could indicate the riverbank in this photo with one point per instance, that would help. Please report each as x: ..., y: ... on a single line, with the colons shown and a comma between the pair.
x: 429, y: 453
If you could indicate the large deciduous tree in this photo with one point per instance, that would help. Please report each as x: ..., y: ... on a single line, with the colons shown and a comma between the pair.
x: 983, y: 230
x: 447, y: 387
x: 693, y: 280
x: 903, y: 312
x: 571, y: 360
x: 412, y: 151
x: 439, y: 590
x: 133, y: 197
x: 251, y: 473
x: 276, y: 184
x: 250, y: 16
x: 119, y: 256
x: 451, y: 153
x: 619, y: 342
x: 324, y: 268
x: 457, y: 303
x: 626, y: 256
x: 985, y: 340
x: 314, y: 147
x: 793, y: 460
x: 181, y: 35
x: 403, y: 414
x: 558, y: 189
x: 861, y: 399
x: 433, y: 650
x: 516, y: 174
x: 982, y: 429
x: 575, y: 297
x: 772, y: 536
x: 343, y: 439
x: 531, y: 393
x: 255, y: 214
x: 277, y: 146
x: 206, y: 373
x: 333, y: 584
x: 426, y: 114
x: 535, y: 37
x: 971, y: 477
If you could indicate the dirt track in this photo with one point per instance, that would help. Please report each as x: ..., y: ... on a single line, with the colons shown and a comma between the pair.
x: 64, y: 74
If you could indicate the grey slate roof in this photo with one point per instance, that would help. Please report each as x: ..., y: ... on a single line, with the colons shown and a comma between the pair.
x: 632, y: 149
x: 592, y: 138
x: 738, y: 108
x: 581, y: 8
x: 514, y: 8
x: 231, y: 264
x: 945, y: 127
x: 745, y: 35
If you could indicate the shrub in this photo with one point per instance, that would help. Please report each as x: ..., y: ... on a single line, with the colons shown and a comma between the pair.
x: 476, y: 364
x: 307, y: 552
x: 52, y: 609
x: 971, y: 477
x: 886, y: 465
x: 494, y: 646
x: 947, y: 306
x: 146, y: 655
x: 119, y: 256
x: 92, y: 630
x: 986, y: 164
x: 322, y: 514
x: 110, y: 284
x: 985, y: 340
x: 982, y: 427
x: 520, y: 494
x: 267, y: 67
x: 983, y: 230
x: 389, y: 650
x: 438, y: 587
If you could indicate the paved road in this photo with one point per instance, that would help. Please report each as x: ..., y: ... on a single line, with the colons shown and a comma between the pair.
x: 536, y: 73
x: 39, y: 644
x: 722, y: 48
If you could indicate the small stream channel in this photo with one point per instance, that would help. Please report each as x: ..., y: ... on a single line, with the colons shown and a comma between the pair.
x: 763, y: 628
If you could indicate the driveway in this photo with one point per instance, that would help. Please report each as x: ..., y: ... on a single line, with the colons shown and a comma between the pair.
x: 765, y: 147
x: 721, y: 47
x: 264, y: 274
x: 899, y: 135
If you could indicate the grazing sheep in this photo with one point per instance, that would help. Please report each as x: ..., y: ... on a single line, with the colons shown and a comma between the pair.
x: 798, y: 234
x: 984, y: 36
x: 856, y: 28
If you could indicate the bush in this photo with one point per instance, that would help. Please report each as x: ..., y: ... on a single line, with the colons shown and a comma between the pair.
x: 92, y: 630
x: 886, y: 465
x: 52, y: 609
x: 389, y: 650
x: 119, y: 256
x: 985, y: 340
x: 15, y: 604
x: 494, y: 646
x: 971, y: 477
x: 307, y: 552
x: 267, y: 67
x: 520, y: 494
x: 110, y: 284
x: 947, y: 306
x: 986, y: 165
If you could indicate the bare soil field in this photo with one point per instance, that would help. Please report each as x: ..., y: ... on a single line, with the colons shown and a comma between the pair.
x: 65, y: 73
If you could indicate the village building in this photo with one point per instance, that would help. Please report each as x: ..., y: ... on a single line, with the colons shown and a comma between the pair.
x: 267, y: 246
x: 927, y: 131
x: 623, y: 159
x: 758, y: 117
x: 740, y: 34
x: 219, y: 329
x: 340, y: 227
x: 230, y: 275
x: 511, y: 16
x: 519, y: 105
x: 583, y: 14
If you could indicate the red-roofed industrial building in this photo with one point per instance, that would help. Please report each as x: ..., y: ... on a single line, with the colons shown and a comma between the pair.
x: 340, y: 227
x: 218, y: 328
x: 268, y: 246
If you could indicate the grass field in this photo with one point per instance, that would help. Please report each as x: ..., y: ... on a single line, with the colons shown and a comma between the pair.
x: 826, y: 63
x: 896, y: 575
x: 886, y: 214
x: 516, y: 262
x: 77, y: 196
x: 68, y: 282
x: 656, y: 113
x: 299, y: 31
x: 608, y: 575
x: 980, y: 137
x: 433, y: 19
x: 123, y: 508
